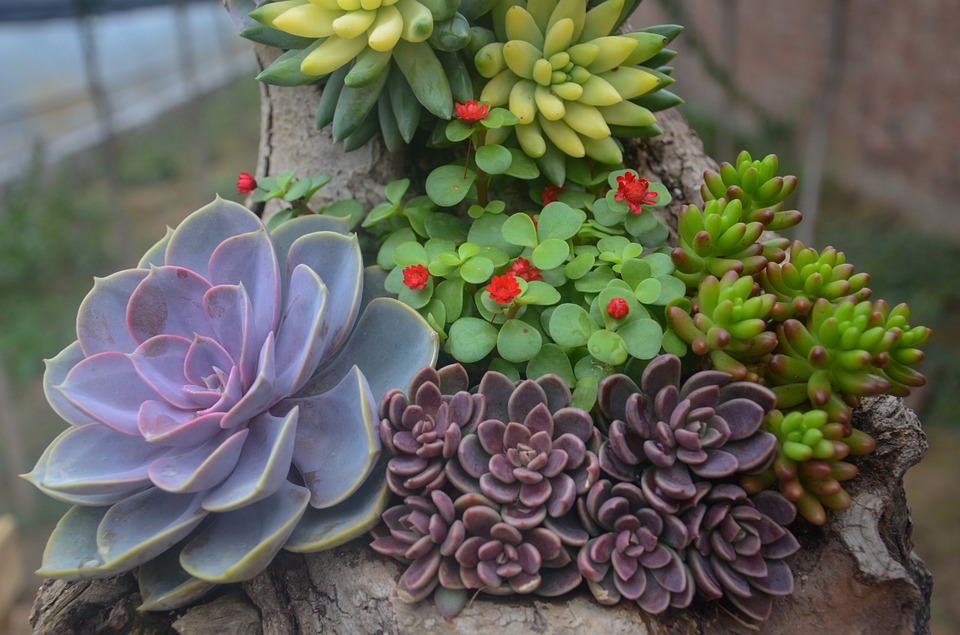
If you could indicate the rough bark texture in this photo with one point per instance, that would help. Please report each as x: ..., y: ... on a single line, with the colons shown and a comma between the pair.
x: 857, y: 574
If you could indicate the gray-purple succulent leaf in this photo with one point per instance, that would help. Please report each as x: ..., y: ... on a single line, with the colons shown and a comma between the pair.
x: 737, y: 550
x: 636, y: 554
x: 677, y: 434
x: 537, y: 460
x: 164, y: 585
x: 192, y: 397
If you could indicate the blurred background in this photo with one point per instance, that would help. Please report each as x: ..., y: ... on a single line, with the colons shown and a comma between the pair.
x: 119, y: 117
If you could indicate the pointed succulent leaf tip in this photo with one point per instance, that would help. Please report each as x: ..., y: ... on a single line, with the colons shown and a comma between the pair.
x: 71, y: 552
x: 185, y: 429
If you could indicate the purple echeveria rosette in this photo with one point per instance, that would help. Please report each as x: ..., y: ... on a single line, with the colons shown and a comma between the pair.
x: 674, y: 437
x: 194, y: 394
x: 421, y: 433
x: 532, y: 453
x: 637, y: 551
x: 738, y: 547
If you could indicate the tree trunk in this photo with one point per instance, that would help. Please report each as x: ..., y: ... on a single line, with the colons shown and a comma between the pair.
x: 857, y: 574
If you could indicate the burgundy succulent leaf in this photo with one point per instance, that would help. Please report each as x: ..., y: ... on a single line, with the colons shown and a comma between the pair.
x: 533, y: 453
x: 636, y: 554
x: 677, y: 435
x: 500, y: 559
x: 738, y: 546
x: 422, y: 433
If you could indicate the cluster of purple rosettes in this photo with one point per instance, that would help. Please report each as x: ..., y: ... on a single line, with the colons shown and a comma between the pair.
x: 511, y: 490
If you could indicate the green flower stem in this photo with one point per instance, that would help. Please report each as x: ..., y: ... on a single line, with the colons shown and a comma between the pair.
x: 300, y: 208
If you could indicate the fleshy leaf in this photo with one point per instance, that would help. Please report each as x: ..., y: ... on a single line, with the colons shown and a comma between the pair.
x: 337, y: 260
x: 390, y: 343
x: 201, y: 468
x: 101, y: 319
x: 164, y: 585
x: 321, y: 529
x: 93, y: 459
x: 238, y: 545
x: 108, y: 388
x: 145, y: 525
x: 338, y: 439
x: 71, y: 552
x: 193, y: 242
x: 168, y: 301
x: 263, y: 464
x: 249, y: 260
x: 55, y: 373
x: 307, y: 333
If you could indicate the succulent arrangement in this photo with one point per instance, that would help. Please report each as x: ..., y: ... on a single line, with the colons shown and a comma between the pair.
x: 641, y: 415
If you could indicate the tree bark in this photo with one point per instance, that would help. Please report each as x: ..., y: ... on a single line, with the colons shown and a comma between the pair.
x: 857, y: 574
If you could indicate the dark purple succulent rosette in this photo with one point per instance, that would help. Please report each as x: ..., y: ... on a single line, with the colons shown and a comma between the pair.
x: 674, y: 437
x: 426, y: 532
x: 738, y: 547
x: 222, y: 403
x: 636, y: 551
x: 533, y: 453
x: 423, y: 432
x: 500, y: 559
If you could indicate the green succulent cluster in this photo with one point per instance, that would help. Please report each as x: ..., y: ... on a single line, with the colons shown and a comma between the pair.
x: 569, y: 259
x: 728, y: 323
x: 793, y: 319
x: 718, y: 240
x: 845, y: 351
x: 810, y: 465
x: 758, y: 188
x: 807, y: 276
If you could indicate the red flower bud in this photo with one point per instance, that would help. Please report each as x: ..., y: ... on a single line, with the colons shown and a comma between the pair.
x: 551, y: 192
x: 246, y: 184
x: 618, y: 308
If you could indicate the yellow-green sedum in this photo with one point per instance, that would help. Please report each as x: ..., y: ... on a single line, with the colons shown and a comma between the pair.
x: 570, y: 80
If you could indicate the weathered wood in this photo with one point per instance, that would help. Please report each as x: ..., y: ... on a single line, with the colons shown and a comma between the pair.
x: 857, y: 574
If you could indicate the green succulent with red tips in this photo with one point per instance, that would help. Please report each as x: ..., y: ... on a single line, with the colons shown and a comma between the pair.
x: 728, y: 323
x: 810, y: 465
x: 809, y: 276
x: 756, y: 185
x: 846, y: 351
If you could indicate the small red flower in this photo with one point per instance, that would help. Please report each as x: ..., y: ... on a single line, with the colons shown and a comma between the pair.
x: 634, y: 192
x: 522, y: 269
x: 551, y: 192
x: 618, y: 308
x: 472, y: 111
x: 503, y: 289
x: 246, y: 184
x: 415, y: 277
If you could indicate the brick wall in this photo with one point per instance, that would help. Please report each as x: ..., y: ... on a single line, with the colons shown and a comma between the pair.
x: 896, y: 130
